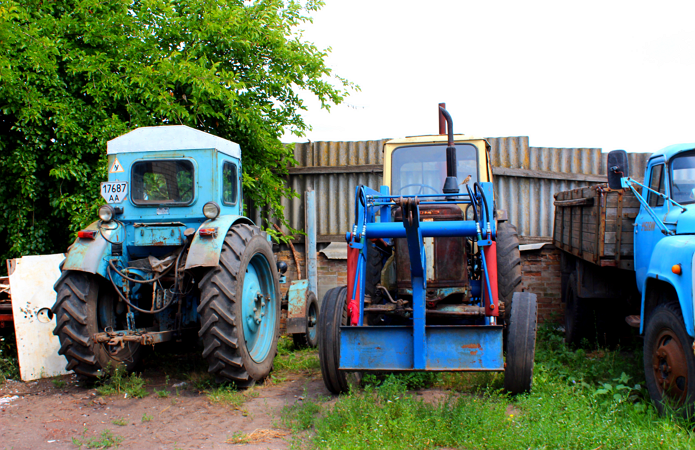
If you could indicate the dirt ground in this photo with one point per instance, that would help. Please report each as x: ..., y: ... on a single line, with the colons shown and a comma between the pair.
x: 38, y: 415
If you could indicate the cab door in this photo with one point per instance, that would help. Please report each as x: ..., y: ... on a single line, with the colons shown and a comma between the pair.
x: 647, y: 232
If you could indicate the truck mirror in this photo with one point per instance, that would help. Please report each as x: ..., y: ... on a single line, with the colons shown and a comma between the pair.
x: 617, y: 168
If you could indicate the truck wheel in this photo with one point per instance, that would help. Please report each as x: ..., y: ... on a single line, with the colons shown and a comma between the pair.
x: 332, y: 316
x: 579, y: 318
x: 310, y: 338
x: 521, y: 345
x: 669, y: 364
x: 86, y: 305
x: 508, y: 265
x: 240, y: 308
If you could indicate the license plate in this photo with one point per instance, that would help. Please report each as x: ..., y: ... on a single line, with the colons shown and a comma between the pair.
x: 114, y: 191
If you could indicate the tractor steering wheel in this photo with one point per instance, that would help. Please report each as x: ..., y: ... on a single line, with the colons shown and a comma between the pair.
x: 436, y: 191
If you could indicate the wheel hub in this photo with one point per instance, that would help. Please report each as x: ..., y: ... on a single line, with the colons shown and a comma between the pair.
x: 669, y: 364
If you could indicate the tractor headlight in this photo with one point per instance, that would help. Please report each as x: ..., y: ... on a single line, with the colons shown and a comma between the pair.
x: 106, y: 213
x: 211, y: 210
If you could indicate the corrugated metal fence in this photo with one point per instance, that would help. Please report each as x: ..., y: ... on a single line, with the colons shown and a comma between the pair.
x: 526, y: 178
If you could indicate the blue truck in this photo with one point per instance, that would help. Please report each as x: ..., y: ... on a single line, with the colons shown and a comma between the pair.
x: 172, y: 258
x: 628, y: 250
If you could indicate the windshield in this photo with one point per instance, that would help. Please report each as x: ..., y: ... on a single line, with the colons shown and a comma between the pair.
x: 683, y: 178
x: 421, y: 169
x: 162, y: 182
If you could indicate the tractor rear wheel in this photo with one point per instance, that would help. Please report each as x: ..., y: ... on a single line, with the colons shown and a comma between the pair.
x: 332, y: 316
x: 310, y: 337
x: 508, y: 265
x: 521, y: 343
x: 240, y: 308
x: 85, y: 305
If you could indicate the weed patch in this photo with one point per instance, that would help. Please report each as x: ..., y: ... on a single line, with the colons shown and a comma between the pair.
x: 121, y: 422
x: 146, y: 418
x: 117, y: 381
x: 58, y: 384
x: 105, y: 440
x: 228, y: 395
x: 9, y: 365
x: 291, y: 360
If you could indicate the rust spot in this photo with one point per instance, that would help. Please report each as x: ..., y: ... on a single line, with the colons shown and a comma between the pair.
x: 472, y: 346
x: 378, y: 348
x: 474, y: 352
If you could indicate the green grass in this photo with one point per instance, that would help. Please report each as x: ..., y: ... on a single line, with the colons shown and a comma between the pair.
x: 105, y: 440
x: 9, y: 365
x: 117, y: 381
x: 58, y: 384
x: 121, y: 422
x: 146, y: 418
x: 580, y: 400
x: 228, y: 395
x: 291, y: 360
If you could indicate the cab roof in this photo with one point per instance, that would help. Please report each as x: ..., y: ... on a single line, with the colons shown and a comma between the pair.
x: 168, y: 138
x: 672, y: 150
x: 432, y: 138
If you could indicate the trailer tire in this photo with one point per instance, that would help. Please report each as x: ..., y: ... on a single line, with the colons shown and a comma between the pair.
x: 82, y: 301
x: 310, y: 337
x: 521, y: 345
x: 669, y: 363
x: 332, y: 316
x: 240, y: 329
x: 508, y: 265
x: 580, y: 322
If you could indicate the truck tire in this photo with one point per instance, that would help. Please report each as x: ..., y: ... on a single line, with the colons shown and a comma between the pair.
x: 240, y: 308
x: 580, y: 322
x: 521, y: 345
x: 508, y: 265
x: 669, y: 363
x: 332, y: 316
x: 85, y: 305
x: 310, y: 337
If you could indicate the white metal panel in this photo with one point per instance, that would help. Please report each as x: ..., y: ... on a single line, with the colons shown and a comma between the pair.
x: 170, y: 137
x: 32, y: 299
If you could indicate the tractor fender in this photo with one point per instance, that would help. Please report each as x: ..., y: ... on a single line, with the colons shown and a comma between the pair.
x: 205, y: 251
x: 92, y: 255
x: 670, y: 251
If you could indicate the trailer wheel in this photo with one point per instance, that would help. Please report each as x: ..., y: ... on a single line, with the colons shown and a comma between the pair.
x: 669, y: 363
x: 579, y: 320
x: 240, y: 308
x: 521, y: 345
x: 508, y: 264
x: 310, y: 338
x: 86, y: 305
x: 332, y: 316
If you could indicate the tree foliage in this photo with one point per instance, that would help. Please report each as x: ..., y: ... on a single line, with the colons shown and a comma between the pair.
x: 77, y: 73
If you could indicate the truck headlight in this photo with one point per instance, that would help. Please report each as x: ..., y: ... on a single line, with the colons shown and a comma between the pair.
x: 211, y: 210
x: 106, y: 213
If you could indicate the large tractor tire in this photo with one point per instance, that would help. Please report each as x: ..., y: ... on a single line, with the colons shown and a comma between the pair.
x: 669, y: 363
x: 240, y: 308
x: 580, y: 322
x: 332, y: 316
x: 521, y: 345
x: 85, y: 305
x: 310, y: 338
x: 373, y: 270
x: 508, y: 265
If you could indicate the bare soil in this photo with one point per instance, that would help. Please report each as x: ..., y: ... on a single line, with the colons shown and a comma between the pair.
x: 43, y: 416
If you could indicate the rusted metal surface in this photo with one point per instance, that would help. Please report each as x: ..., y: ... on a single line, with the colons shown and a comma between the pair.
x: 296, y: 306
x: 122, y: 337
x: 295, y: 256
x: 670, y: 366
x: 205, y: 251
x: 33, y: 297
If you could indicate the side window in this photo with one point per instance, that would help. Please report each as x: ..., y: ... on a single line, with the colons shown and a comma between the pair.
x: 656, y: 182
x: 230, y: 183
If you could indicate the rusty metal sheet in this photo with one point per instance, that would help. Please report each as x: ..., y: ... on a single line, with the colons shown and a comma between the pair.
x: 32, y: 299
x: 296, y: 306
x: 205, y: 251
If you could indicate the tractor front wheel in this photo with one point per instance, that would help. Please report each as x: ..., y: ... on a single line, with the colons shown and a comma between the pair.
x: 521, y: 343
x: 332, y: 316
x: 240, y: 308
x: 85, y: 305
x: 310, y: 337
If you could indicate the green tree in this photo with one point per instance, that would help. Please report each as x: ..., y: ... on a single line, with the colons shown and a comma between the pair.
x: 77, y: 73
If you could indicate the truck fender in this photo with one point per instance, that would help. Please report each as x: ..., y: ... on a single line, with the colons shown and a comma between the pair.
x: 205, y: 251
x: 92, y: 255
x: 668, y: 252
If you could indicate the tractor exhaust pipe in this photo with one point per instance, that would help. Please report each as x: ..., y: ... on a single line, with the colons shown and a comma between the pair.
x: 451, y: 183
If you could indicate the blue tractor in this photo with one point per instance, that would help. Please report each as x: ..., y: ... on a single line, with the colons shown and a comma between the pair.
x: 434, y: 273
x: 171, y: 256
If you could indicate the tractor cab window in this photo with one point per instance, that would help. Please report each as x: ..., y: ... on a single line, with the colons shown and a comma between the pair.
x: 683, y: 178
x: 421, y: 169
x: 656, y: 182
x: 162, y: 182
x: 230, y: 182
